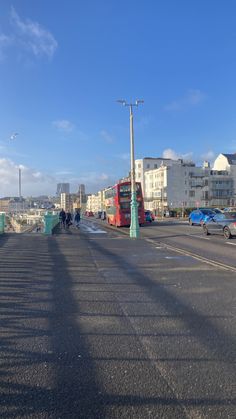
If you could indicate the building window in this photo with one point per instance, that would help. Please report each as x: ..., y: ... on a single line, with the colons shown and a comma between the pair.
x: 191, y: 194
x: 155, y: 166
x: 148, y: 166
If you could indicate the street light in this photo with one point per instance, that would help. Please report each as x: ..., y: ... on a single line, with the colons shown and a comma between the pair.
x: 134, y: 222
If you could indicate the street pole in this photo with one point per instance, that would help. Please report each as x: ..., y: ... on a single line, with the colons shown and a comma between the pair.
x: 80, y: 198
x: 134, y: 221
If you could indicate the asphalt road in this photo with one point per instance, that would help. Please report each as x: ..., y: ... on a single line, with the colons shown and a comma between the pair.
x: 180, y: 235
x: 95, y: 325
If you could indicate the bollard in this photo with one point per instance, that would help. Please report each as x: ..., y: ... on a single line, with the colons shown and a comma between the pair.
x: 50, y: 221
x: 2, y: 222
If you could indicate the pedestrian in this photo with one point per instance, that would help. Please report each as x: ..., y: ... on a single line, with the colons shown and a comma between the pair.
x: 62, y: 218
x: 68, y: 219
x: 77, y: 218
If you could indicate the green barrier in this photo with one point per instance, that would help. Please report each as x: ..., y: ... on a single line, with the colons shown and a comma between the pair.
x: 2, y: 222
x: 50, y: 222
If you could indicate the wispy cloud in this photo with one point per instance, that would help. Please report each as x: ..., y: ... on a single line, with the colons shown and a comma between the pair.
x: 193, y: 97
x: 168, y: 153
x: 33, y: 36
x: 64, y: 173
x: 208, y: 156
x: 63, y: 125
x: 94, y: 181
x: 108, y: 138
x: 30, y: 177
x: 29, y: 36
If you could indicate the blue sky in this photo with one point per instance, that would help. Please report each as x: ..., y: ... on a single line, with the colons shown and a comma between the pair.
x: 64, y: 64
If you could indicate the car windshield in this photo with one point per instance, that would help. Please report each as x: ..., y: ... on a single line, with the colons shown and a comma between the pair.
x: 207, y: 211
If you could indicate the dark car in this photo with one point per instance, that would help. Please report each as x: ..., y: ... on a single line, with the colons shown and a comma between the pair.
x: 198, y: 216
x: 221, y: 224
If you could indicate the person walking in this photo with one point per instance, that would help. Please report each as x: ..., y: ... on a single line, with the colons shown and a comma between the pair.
x: 68, y: 219
x: 62, y: 218
x: 77, y: 218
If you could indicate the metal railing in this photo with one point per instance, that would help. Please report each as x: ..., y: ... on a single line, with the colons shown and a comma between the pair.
x: 51, y: 220
x: 2, y: 222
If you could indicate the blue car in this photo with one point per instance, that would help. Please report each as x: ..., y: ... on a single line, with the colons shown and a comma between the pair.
x: 200, y: 215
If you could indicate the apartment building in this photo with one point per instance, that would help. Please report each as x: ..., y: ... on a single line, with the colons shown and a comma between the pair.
x: 150, y: 163
x: 177, y: 185
x: 93, y: 203
x: 185, y: 185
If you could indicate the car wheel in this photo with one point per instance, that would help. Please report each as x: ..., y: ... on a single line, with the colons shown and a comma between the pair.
x: 227, y: 233
x: 205, y: 230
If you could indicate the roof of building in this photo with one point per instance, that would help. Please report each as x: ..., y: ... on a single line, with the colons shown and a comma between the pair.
x: 231, y: 158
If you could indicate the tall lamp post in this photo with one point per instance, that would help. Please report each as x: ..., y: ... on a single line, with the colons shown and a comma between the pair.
x: 134, y: 222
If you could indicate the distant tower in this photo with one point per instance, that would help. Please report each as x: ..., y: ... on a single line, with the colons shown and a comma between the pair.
x: 63, y: 188
x: 81, y: 193
x: 19, y: 182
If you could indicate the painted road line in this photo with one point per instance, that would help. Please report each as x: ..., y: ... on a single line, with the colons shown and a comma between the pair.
x: 232, y: 244
x: 198, y: 237
x: 211, y: 262
x: 92, y: 230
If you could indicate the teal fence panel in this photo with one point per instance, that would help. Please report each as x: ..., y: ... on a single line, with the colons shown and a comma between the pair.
x: 50, y: 222
x: 2, y: 222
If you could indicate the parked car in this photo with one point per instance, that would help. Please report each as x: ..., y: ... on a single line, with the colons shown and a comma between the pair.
x: 229, y: 209
x: 221, y: 224
x: 148, y: 216
x: 198, y: 216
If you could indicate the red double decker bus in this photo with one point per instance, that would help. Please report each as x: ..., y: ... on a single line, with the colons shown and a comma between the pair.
x: 117, y: 203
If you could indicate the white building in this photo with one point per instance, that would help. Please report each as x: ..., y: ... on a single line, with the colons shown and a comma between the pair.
x: 174, y: 186
x: 187, y: 186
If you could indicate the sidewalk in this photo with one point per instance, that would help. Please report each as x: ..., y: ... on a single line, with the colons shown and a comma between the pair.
x: 101, y: 326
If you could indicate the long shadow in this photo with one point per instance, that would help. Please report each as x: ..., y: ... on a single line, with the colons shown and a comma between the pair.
x: 200, y: 325
x: 75, y: 390
x: 76, y: 393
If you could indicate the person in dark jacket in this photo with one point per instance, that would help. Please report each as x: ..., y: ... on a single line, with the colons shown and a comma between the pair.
x: 77, y: 218
x: 68, y: 219
x: 62, y: 217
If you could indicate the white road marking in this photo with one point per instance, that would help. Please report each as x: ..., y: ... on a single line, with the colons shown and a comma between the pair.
x: 173, y: 257
x: 92, y: 230
x: 232, y: 244
x: 198, y: 237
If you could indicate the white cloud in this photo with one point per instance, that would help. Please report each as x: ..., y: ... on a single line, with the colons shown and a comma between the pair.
x: 64, y: 125
x: 108, y: 138
x: 33, y: 37
x: 33, y: 181
x: 193, y: 97
x: 168, y: 153
x: 209, y: 156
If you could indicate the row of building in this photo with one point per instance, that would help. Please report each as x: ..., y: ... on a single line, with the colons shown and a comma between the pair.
x: 168, y: 184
